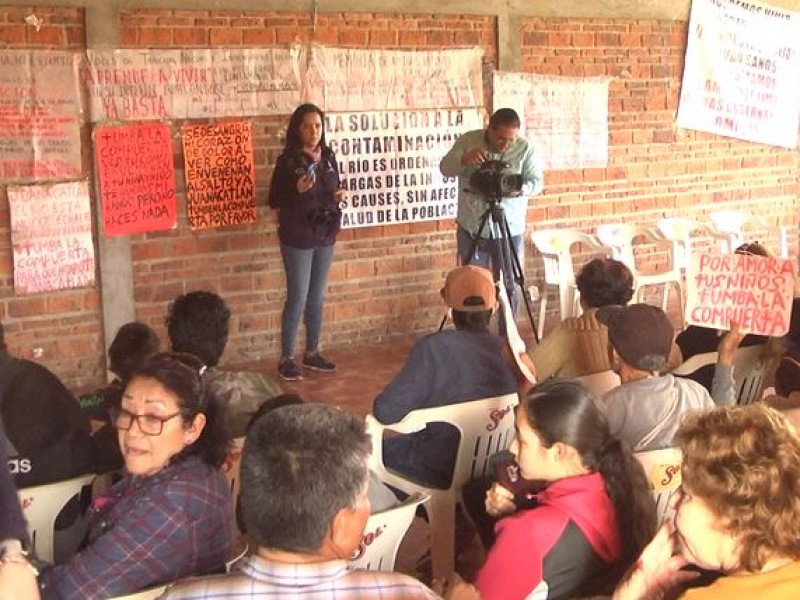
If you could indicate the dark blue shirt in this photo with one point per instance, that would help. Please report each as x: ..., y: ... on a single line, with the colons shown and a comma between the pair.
x: 447, y: 367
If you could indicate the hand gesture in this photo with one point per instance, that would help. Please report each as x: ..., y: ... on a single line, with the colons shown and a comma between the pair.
x: 656, y: 572
x: 306, y: 182
x: 499, y: 501
x: 728, y: 344
x: 474, y: 157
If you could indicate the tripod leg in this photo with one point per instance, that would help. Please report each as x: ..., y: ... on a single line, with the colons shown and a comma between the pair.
x: 518, y: 275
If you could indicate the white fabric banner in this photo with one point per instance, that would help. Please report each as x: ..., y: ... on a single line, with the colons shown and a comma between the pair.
x: 345, y: 79
x: 389, y: 163
x: 40, y: 115
x: 742, y: 72
x: 51, y: 237
x: 135, y: 85
x: 566, y: 118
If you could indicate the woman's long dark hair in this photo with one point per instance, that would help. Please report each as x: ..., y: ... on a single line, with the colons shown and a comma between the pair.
x: 182, y: 374
x: 293, y: 144
x: 566, y: 411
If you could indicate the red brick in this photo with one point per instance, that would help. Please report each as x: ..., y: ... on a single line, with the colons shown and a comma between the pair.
x: 153, y: 36
x: 186, y: 36
x: 256, y: 37
x: 26, y: 306
x: 13, y: 34
x: 226, y: 36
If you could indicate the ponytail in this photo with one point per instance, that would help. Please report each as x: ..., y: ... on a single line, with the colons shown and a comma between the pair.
x: 567, y: 411
x: 627, y: 487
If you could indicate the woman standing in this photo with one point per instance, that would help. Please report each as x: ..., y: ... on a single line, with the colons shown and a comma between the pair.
x: 305, y: 190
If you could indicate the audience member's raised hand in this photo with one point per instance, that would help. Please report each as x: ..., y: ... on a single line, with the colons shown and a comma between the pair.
x: 499, y: 501
x: 728, y: 344
x: 657, y: 571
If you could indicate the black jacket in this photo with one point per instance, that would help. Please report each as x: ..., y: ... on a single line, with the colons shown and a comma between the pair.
x: 312, y: 218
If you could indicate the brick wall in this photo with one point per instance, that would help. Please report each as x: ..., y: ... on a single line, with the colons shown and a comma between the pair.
x: 63, y: 329
x: 385, y: 280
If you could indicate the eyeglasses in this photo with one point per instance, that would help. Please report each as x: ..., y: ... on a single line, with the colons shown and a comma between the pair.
x: 148, y: 424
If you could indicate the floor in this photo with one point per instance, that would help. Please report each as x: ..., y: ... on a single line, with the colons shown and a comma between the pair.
x: 361, y: 374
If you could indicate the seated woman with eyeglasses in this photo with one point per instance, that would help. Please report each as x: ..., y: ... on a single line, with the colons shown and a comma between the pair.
x: 170, y: 515
x: 738, y: 511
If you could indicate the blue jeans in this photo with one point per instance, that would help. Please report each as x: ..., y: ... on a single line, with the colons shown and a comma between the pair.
x: 306, y: 279
x: 487, y: 251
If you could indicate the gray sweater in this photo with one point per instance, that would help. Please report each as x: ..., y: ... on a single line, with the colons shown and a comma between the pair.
x: 655, y: 406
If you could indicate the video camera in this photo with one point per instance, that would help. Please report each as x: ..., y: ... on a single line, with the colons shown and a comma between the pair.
x: 495, y: 179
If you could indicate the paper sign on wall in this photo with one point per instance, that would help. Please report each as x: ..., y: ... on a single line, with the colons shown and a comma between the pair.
x: 137, y: 178
x: 51, y: 237
x: 220, y: 175
x: 742, y: 74
x: 754, y: 291
x: 389, y: 163
x: 40, y: 115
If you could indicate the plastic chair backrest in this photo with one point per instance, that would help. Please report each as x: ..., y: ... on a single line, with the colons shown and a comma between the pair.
x: 486, y: 426
x: 41, y: 505
x: 679, y: 231
x: 690, y: 365
x: 750, y: 369
x: 600, y: 382
x: 555, y: 246
x: 663, y: 470
x: 620, y: 237
x: 147, y: 594
x: 383, y: 534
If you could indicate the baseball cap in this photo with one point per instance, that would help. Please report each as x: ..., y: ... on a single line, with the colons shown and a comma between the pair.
x: 641, y: 334
x: 470, y: 289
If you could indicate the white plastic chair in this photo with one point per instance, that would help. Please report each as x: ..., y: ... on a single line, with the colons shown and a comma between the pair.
x: 750, y: 371
x: 731, y: 224
x: 383, y: 534
x: 684, y: 234
x: 620, y: 238
x: 555, y: 246
x: 41, y: 505
x: 601, y: 382
x: 148, y: 594
x: 486, y: 427
x: 663, y: 470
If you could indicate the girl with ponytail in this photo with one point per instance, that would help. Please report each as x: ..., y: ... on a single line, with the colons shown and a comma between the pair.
x: 591, y: 520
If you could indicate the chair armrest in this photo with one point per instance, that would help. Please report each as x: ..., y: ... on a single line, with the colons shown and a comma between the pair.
x: 691, y: 365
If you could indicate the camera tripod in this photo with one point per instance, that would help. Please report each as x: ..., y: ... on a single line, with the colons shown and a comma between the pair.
x: 504, y: 256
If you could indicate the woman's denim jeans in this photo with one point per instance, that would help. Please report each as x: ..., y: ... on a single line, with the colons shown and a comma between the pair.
x: 306, y: 279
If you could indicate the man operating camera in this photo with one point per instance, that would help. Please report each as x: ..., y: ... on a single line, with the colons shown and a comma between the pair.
x: 500, y: 141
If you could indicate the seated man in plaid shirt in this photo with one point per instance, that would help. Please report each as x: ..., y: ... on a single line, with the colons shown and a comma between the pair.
x: 304, y: 496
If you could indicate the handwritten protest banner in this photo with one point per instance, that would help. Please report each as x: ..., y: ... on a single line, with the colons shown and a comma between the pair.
x: 754, y: 291
x: 346, y: 79
x: 389, y: 163
x: 220, y: 175
x: 40, y: 115
x: 566, y: 118
x: 741, y: 77
x: 134, y: 85
x: 51, y: 237
x: 137, y: 178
